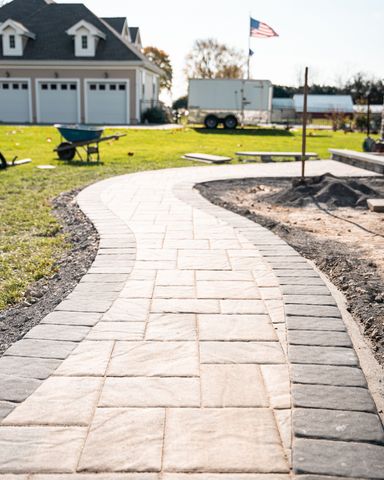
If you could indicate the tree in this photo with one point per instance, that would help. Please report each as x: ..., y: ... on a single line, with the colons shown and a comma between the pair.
x: 361, y: 86
x: 162, y: 60
x: 382, y: 124
x: 211, y: 59
x: 181, y: 102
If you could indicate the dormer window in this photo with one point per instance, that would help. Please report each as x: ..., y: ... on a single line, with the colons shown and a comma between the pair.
x: 84, y: 42
x: 15, y: 37
x: 12, y: 41
x: 86, y: 38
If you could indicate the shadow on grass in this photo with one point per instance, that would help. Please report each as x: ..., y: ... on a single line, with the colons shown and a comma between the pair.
x: 80, y: 163
x: 261, y: 132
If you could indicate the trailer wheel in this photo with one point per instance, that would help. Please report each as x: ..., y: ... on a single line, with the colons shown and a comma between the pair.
x: 230, y: 122
x: 68, y: 153
x: 211, y: 121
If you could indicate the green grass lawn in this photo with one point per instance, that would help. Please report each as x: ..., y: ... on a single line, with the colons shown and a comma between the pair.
x: 30, y: 237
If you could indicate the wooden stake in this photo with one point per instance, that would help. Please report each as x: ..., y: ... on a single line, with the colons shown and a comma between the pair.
x: 304, y: 139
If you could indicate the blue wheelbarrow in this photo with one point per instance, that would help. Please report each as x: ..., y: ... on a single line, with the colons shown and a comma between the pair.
x: 82, y: 139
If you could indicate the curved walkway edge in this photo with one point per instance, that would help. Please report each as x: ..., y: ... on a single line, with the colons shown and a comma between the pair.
x: 199, y: 346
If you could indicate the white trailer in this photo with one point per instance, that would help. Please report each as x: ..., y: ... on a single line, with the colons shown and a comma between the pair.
x: 230, y: 102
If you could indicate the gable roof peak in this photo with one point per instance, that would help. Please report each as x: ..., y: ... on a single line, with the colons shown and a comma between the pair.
x: 88, y: 26
x: 18, y: 27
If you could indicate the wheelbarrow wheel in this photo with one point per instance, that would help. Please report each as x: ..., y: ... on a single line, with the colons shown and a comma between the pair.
x: 3, y: 162
x: 65, y: 152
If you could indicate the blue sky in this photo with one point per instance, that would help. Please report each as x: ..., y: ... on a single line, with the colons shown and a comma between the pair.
x: 335, y: 38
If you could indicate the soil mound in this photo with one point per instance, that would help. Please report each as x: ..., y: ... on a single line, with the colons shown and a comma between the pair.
x: 326, y: 189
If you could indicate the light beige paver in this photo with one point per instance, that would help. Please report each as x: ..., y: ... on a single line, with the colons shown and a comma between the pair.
x: 137, y: 289
x: 227, y: 289
x: 276, y: 378
x: 175, y: 277
x: 117, y: 331
x: 100, y: 476
x: 242, y: 306
x: 241, y: 352
x: 58, y: 401
x: 40, y: 449
x: 196, y: 260
x: 163, y: 359
x: 171, y: 326
x: 222, y: 440
x: 232, y: 386
x: 151, y: 392
x: 223, y: 275
x: 88, y: 359
x: 236, y: 327
x: 128, y: 310
x: 224, y: 476
x: 124, y: 440
x: 174, y: 291
x: 185, y: 305
x: 284, y: 423
x: 149, y: 254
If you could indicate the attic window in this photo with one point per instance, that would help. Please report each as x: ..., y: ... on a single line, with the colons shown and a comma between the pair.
x: 84, y: 42
x: 12, y: 41
x: 86, y: 38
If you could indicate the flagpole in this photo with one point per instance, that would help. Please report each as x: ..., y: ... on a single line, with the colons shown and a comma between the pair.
x: 249, y: 46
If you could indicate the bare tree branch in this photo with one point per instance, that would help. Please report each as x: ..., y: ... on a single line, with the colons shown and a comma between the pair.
x: 211, y: 59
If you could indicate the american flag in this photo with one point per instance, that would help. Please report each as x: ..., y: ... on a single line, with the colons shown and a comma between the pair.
x: 261, y: 30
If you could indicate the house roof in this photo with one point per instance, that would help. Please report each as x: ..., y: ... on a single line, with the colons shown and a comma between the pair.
x: 50, y: 21
x: 282, y: 104
x: 324, y: 103
x: 116, y: 23
x: 134, y: 31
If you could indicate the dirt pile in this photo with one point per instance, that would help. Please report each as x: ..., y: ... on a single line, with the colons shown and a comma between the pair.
x: 327, y: 190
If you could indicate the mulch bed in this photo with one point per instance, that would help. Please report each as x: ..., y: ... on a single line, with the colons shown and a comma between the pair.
x: 43, y: 296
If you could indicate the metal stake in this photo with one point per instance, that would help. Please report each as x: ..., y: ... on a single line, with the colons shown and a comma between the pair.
x: 304, y: 138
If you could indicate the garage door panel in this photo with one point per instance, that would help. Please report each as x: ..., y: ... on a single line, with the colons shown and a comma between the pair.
x: 14, y: 101
x: 107, y: 102
x: 58, y: 102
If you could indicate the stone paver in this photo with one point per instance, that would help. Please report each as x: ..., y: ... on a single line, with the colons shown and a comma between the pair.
x: 124, y: 440
x: 338, y: 425
x: 154, y: 359
x: 223, y: 440
x: 233, y: 386
x: 151, y: 392
x: 349, y: 459
x: 58, y: 401
x: 198, y: 346
x: 236, y: 327
x: 39, y: 368
x: 40, y: 449
x: 171, y: 326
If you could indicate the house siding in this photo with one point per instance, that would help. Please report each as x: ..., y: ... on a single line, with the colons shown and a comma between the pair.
x: 58, y: 73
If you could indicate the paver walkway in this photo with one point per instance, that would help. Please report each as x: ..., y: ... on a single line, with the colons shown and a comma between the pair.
x: 183, y: 352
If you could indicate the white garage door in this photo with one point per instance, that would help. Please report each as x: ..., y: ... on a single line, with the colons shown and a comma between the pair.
x: 14, y: 101
x: 107, y: 102
x: 57, y: 101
